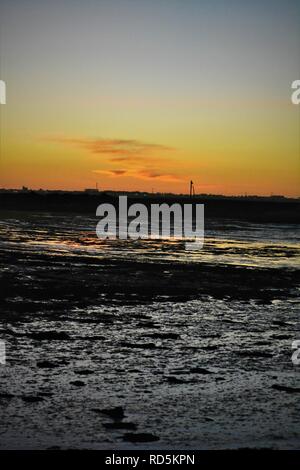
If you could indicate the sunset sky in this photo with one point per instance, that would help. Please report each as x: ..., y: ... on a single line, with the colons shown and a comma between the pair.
x: 148, y: 94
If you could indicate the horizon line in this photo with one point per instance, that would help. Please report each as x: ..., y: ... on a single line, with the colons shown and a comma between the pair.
x: 94, y: 191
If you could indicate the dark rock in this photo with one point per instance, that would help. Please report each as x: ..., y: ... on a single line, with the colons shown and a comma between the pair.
x: 174, y: 380
x: 116, y: 413
x: 91, y: 338
x: 142, y: 437
x: 84, y: 372
x: 200, y: 370
x: 254, y: 354
x: 50, y: 335
x: 281, y: 336
x: 163, y: 335
x: 77, y: 383
x: 147, y: 324
x: 279, y: 323
x: 46, y: 365
x: 31, y: 399
x: 129, y: 426
x: 178, y: 372
x: 6, y: 395
x: 126, y: 344
x: 283, y: 388
x: 11, y: 332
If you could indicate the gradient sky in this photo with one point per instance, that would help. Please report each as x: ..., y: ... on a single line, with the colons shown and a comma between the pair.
x: 147, y: 94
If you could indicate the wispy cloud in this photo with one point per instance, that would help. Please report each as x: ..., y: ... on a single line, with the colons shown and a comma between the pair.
x: 112, y: 173
x: 140, y: 174
x: 157, y: 175
x: 118, y: 149
x: 139, y: 159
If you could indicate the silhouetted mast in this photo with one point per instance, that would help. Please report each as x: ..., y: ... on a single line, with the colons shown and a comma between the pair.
x: 192, y: 189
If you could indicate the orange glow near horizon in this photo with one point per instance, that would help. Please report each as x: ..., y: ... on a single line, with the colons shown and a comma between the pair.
x: 139, y: 105
x: 222, y: 156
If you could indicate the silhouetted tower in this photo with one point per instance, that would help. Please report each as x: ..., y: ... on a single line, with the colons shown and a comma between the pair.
x: 192, y: 189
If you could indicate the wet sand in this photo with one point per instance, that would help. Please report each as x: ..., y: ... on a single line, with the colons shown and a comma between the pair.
x: 129, y: 352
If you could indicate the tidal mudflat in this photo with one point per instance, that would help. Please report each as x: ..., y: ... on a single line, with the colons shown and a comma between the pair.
x: 141, y: 344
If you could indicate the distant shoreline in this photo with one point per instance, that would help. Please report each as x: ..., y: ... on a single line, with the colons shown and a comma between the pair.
x: 252, y: 209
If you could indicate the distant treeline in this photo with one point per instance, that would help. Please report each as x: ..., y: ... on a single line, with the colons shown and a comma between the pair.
x: 256, y: 210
